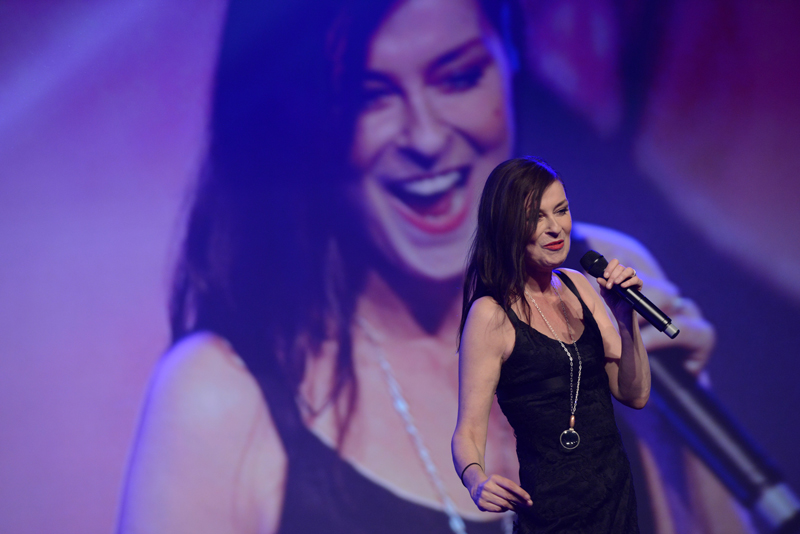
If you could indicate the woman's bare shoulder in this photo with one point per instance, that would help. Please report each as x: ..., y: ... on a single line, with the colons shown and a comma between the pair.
x: 486, y: 309
x: 587, y: 291
x: 489, y: 327
x: 206, y: 441
x: 202, y: 381
x: 580, y: 281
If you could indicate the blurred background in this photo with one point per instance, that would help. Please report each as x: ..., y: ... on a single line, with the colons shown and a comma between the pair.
x: 695, y: 151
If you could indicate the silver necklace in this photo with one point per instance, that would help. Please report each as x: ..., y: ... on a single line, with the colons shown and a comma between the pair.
x: 569, y: 438
x: 401, y: 406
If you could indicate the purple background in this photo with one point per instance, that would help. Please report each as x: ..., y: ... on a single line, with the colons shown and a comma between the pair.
x: 103, y: 108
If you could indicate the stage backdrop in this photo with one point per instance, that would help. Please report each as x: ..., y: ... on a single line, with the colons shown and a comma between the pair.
x: 103, y: 124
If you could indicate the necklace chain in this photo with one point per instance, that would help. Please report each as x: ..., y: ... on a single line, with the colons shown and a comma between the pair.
x: 573, y: 403
x: 401, y: 406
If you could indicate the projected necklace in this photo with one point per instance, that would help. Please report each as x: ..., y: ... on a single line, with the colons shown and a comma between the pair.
x: 569, y: 438
x: 455, y: 521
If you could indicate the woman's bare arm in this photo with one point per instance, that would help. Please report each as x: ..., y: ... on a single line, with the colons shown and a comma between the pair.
x: 487, y: 340
x: 697, y: 336
x: 627, y: 365
x: 207, y: 457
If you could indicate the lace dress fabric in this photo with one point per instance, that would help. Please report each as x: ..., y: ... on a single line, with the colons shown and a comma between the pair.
x: 584, y: 490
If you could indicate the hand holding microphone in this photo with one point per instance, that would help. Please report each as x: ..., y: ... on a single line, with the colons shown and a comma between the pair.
x: 595, y: 264
x: 616, y: 274
x: 706, y: 427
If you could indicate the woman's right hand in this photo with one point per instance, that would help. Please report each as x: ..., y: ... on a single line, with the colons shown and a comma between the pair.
x: 488, y: 338
x: 495, y: 493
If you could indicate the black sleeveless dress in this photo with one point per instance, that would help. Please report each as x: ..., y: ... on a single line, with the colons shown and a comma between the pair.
x: 325, y: 493
x: 587, y: 489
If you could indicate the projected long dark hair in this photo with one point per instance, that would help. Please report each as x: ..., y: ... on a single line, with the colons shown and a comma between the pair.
x: 262, y: 264
x: 507, y: 216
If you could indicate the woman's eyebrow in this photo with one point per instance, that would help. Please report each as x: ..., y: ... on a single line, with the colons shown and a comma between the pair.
x: 444, y: 59
x: 377, y: 77
x: 454, y: 54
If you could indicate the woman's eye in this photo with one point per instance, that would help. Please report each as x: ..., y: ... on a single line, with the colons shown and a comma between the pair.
x: 463, y: 80
x: 374, y: 97
x: 458, y: 78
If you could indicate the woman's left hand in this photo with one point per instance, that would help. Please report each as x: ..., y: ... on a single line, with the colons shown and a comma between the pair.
x: 627, y: 365
x: 617, y: 274
x: 697, y: 335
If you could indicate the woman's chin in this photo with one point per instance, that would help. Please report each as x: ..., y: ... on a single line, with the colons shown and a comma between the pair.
x: 548, y: 265
x: 435, y: 264
x: 435, y: 258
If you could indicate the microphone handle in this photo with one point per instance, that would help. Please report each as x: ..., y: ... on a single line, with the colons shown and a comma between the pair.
x: 648, y: 310
x: 595, y: 264
x: 723, y: 445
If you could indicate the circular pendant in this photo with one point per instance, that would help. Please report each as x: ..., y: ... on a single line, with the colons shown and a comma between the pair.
x: 569, y: 439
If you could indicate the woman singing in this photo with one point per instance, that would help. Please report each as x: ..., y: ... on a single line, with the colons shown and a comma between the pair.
x: 543, y: 341
x: 312, y: 381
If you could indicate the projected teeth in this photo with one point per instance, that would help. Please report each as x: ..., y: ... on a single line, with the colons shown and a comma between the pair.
x: 435, y: 203
x: 432, y: 186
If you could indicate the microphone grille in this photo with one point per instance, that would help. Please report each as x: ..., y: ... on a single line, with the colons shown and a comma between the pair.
x: 594, y: 263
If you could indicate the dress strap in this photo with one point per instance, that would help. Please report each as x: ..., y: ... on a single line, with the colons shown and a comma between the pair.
x: 571, y: 285
x: 515, y: 320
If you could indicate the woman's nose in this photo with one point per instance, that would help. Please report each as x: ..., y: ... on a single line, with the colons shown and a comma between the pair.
x: 551, y: 225
x: 425, y: 137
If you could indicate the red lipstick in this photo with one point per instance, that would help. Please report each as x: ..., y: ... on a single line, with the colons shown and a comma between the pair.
x: 555, y: 245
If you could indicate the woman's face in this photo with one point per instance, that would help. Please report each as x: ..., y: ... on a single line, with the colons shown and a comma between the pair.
x: 549, y: 244
x: 436, y: 120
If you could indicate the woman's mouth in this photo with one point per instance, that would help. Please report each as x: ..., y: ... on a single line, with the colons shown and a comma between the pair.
x: 555, y: 245
x: 435, y: 203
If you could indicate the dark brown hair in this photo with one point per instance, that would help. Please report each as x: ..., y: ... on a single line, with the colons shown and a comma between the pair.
x: 507, y: 216
x: 263, y: 263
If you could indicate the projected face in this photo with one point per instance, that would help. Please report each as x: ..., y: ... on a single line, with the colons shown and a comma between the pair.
x: 436, y: 120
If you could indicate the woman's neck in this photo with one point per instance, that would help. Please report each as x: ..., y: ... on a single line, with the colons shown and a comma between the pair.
x: 410, y: 307
x: 539, y: 283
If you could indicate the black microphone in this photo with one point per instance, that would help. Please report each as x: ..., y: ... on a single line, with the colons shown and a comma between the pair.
x: 707, y: 428
x: 723, y: 445
x: 595, y: 264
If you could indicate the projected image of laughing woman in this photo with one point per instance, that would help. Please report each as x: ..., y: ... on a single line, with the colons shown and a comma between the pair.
x: 312, y: 383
